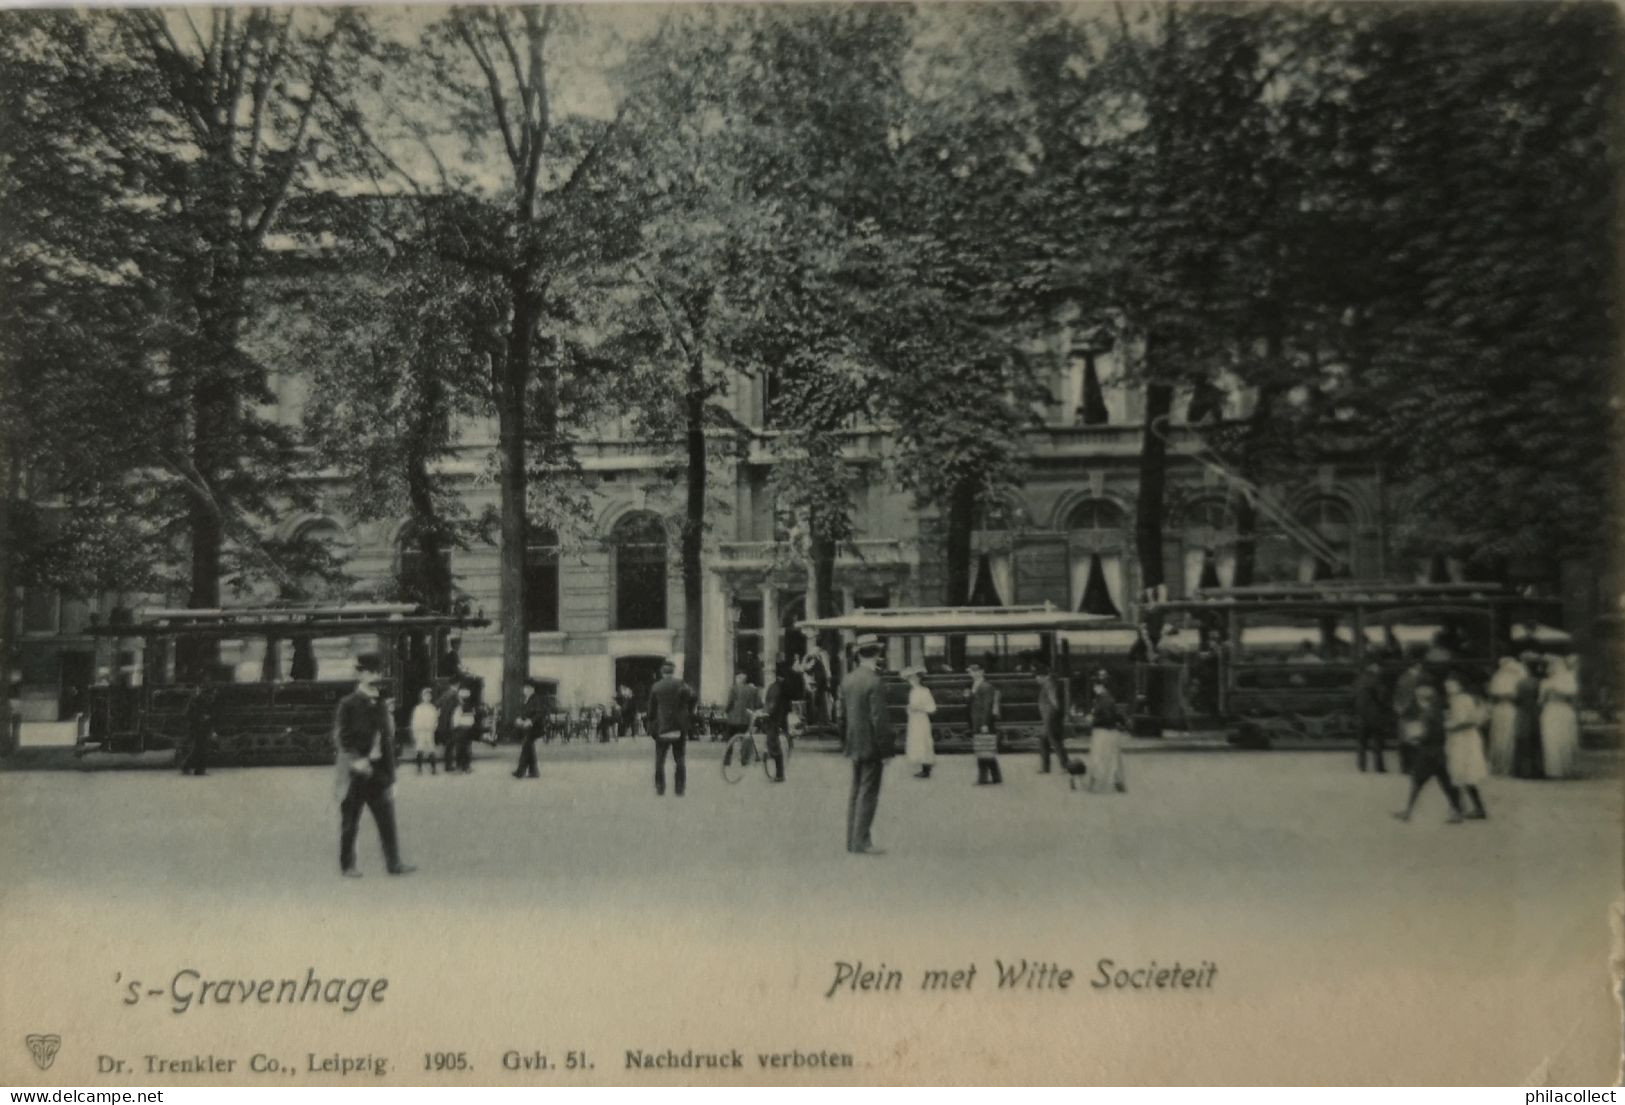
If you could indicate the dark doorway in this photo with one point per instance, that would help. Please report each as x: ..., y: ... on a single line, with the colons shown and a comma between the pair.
x: 638, y: 673
x: 792, y: 641
x: 78, y: 672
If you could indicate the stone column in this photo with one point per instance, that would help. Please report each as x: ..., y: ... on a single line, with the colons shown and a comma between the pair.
x: 770, y: 629
x: 716, y: 672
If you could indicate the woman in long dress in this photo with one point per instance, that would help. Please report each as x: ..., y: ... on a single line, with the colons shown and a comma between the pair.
x: 1559, y: 725
x: 920, y: 749
x: 1105, y: 741
x: 1464, y: 744
x: 1503, y: 693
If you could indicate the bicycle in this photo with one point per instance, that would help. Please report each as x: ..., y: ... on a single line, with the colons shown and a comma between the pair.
x: 741, y: 747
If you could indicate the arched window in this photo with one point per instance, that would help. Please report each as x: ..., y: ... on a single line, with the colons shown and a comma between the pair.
x: 1210, y: 514
x: 639, y: 542
x: 1208, y: 529
x: 1095, y: 529
x: 319, y: 549
x: 1099, y: 519
x: 542, y: 581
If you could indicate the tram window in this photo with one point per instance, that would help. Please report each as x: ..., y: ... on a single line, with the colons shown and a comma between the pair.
x: 984, y: 649
x: 1292, y: 637
x: 934, y: 654
x: 1440, y: 634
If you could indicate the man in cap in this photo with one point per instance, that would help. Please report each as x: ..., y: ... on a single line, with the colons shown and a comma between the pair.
x: 1052, y: 715
x: 365, y: 737
x: 530, y: 723
x: 869, y: 743
x: 671, y: 703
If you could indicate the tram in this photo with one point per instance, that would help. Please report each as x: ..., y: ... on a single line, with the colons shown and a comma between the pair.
x: 267, y: 718
x: 1281, y: 660
x: 1008, y: 641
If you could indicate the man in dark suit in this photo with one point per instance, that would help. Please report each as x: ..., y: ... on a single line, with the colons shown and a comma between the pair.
x: 1052, y: 712
x: 530, y: 723
x: 671, y: 703
x: 365, y: 737
x: 1374, y: 712
x: 199, y: 719
x: 869, y: 743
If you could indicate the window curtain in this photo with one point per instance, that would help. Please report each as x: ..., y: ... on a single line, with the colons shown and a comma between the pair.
x: 1111, y: 570
x: 1093, y: 408
x: 1098, y: 595
x: 1195, y: 561
x: 1307, y: 568
x: 990, y: 585
x: 1205, y: 569
x: 1082, y: 564
x: 1003, y: 576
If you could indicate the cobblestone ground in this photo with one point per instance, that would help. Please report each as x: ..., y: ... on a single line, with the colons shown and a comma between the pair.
x: 580, y: 907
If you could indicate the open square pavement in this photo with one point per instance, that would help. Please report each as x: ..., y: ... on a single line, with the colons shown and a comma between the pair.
x: 582, y: 910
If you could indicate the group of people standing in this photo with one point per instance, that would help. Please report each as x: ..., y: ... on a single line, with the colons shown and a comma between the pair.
x: 1528, y: 728
x: 1105, y: 720
x: 451, y: 725
x: 869, y: 741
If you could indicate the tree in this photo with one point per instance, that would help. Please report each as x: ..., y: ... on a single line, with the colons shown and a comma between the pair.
x: 771, y: 128
x: 1204, y: 252
x: 1489, y: 305
x: 237, y: 111
x: 947, y: 330
x: 147, y: 163
x: 514, y: 180
x: 395, y: 345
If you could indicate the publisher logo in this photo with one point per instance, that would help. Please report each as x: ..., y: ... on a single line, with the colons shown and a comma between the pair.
x: 43, y: 1049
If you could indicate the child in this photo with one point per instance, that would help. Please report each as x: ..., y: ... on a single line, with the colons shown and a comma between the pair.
x: 1429, y: 762
x: 425, y: 718
x: 984, y: 717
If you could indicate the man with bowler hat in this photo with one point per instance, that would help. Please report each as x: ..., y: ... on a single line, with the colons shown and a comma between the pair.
x: 869, y: 743
x: 365, y: 737
x: 530, y: 723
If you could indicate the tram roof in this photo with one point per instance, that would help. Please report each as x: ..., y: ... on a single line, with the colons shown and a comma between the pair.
x: 959, y: 619
x: 1350, y: 592
x: 292, y: 621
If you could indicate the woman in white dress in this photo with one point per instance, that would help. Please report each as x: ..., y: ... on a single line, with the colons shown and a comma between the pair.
x: 920, y: 749
x: 1464, y: 743
x: 425, y: 716
x: 1559, y: 725
x: 1503, y: 692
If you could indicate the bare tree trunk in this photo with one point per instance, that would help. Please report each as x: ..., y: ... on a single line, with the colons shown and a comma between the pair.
x: 1152, y: 506
x: 829, y: 603
x: 961, y: 522
x: 1249, y: 467
x: 509, y: 389
x: 434, y: 583
x: 693, y: 542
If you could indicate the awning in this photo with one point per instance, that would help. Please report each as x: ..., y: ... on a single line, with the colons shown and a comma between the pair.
x: 957, y: 619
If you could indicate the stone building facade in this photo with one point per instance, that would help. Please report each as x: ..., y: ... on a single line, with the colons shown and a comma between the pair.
x: 606, y: 603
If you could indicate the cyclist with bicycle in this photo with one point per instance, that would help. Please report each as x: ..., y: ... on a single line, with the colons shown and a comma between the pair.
x: 770, y: 721
x: 776, y: 724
